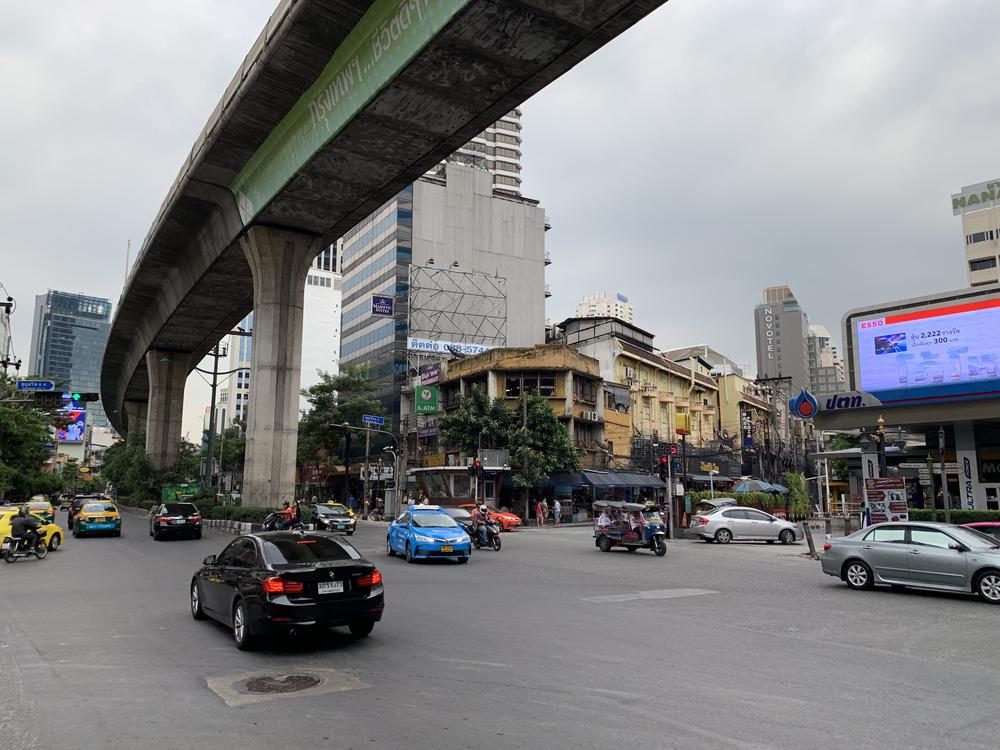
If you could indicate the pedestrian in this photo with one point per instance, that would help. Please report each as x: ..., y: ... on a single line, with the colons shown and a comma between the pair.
x: 545, y: 510
x: 410, y: 500
x: 539, y: 516
x: 351, y: 501
x: 423, y: 498
x: 556, y: 511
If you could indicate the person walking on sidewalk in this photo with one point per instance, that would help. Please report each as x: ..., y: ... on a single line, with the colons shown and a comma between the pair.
x: 545, y: 511
x: 539, y: 515
x: 556, y: 511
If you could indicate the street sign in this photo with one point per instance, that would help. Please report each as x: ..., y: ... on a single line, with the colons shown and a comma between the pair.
x: 382, y: 305
x: 370, y: 419
x: 35, y: 385
x: 426, y: 400
x: 676, y: 465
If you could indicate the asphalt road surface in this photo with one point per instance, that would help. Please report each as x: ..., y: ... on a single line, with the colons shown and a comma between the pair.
x: 546, y: 644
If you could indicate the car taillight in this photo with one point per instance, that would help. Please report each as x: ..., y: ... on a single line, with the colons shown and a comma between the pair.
x: 278, y: 585
x: 371, y: 579
x: 827, y: 547
x: 195, y: 517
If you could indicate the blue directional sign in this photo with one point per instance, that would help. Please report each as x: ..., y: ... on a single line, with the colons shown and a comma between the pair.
x: 676, y: 465
x: 35, y: 385
x: 369, y: 419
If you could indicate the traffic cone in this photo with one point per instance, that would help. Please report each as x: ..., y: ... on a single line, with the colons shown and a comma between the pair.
x: 684, y: 519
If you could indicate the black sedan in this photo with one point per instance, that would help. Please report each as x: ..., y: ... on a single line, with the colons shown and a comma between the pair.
x: 463, y: 518
x: 275, y: 582
x: 174, y: 519
x: 334, y: 518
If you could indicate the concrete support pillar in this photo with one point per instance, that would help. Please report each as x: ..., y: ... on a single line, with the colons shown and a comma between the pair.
x: 279, y: 261
x: 135, y: 415
x: 168, y: 373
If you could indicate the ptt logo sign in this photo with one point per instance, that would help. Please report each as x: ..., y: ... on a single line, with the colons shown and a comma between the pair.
x: 803, y: 406
x: 877, y: 323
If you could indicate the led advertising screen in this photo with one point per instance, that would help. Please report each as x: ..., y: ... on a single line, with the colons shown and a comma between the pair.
x: 929, y: 354
x: 76, y: 426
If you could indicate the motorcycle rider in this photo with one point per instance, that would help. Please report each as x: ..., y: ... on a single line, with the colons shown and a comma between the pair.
x: 482, y: 519
x: 24, y: 525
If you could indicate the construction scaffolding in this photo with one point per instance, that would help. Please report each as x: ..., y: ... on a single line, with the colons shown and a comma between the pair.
x: 447, y: 304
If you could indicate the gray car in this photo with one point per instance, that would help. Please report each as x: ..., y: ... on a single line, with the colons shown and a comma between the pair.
x: 924, y: 555
x: 729, y: 523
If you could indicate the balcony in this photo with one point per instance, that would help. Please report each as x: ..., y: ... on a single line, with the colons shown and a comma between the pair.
x: 548, y: 223
x: 682, y: 401
x: 548, y: 258
x: 548, y: 291
x: 666, y: 397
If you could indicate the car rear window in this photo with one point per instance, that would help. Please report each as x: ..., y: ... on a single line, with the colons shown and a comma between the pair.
x: 38, y: 506
x: 305, y: 549
x: 180, y: 509
x: 98, y: 508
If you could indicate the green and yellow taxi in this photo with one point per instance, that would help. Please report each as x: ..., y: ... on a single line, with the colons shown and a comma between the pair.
x: 98, y: 517
x: 339, y: 508
x: 52, y: 533
x: 41, y: 507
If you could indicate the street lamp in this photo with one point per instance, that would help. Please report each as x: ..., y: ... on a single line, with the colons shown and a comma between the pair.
x: 880, y: 431
x: 711, y: 481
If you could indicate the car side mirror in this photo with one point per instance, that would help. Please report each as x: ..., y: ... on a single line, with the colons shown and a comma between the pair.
x: 956, y: 546
x: 210, y: 560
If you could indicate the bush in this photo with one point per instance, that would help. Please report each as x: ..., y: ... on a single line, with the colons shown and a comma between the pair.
x: 237, y: 513
x: 957, y: 516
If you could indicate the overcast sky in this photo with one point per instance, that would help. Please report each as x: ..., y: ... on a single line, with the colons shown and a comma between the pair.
x: 716, y: 148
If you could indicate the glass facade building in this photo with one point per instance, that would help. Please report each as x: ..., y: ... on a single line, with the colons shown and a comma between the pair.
x: 68, y: 337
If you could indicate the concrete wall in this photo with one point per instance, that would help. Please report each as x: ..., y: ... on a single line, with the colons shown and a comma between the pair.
x: 462, y: 220
x: 320, y: 329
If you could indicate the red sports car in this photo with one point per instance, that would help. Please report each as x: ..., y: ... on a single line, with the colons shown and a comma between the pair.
x: 507, y: 521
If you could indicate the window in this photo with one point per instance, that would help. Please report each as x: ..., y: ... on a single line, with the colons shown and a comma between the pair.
x: 930, y: 538
x: 547, y: 385
x: 307, y: 549
x: 982, y: 264
x: 756, y: 515
x: 887, y: 534
x: 972, y: 239
x: 738, y: 514
x: 502, y: 179
x: 512, y: 388
x: 239, y: 554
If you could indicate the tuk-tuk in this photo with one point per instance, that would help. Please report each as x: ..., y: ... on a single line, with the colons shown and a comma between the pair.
x: 629, y: 525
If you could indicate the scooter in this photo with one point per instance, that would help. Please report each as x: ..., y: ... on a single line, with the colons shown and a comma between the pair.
x: 492, y: 533
x: 14, y: 548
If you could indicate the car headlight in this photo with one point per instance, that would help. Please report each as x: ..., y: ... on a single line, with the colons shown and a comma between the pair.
x: 420, y: 538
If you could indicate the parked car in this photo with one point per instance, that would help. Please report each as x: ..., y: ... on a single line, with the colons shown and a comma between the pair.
x: 506, y: 520
x: 424, y: 531
x: 174, y: 519
x: 924, y: 555
x: 334, y: 517
x: 990, y: 528
x: 50, y: 532
x: 729, y: 523
x: 271, y: 583
x: 97, y: 517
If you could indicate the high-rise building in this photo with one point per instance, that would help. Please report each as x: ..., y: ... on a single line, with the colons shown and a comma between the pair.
x: 979, y: 207
x: 320, y: 341
x: 826, y: 369
x: 497, y: 150
x: 68, y: 337
x: 459, y: 221
x: 782, y: 329
x: 605, y: 305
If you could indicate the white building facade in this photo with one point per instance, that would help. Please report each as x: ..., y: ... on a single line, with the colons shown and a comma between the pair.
x: 605, y: 305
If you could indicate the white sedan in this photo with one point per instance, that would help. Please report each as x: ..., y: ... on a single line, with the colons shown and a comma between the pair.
x: 729, y: 523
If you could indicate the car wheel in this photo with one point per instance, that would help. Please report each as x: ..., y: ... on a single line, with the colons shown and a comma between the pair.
x: 604, y: 543
x: 54, y: 542
x: 197, y: 534
x: 463, y: 560
x: 196, y: 611
x: 723, y: 536
x: 409, y: 553
x: 388, y: 548
x: 241, y: 628
x: 787, y: 537
x: 858, y: 575
x: 361, y: 628
x: 988, y: 586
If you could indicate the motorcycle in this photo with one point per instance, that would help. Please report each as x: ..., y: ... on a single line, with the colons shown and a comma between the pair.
x: 14, y: 548
x: 492, y: 533
x: 272, y: 520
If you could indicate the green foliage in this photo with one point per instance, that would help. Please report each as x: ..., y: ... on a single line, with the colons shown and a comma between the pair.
x: 125, y: 465
x: 230, y: 448
x: 335, y: 399
x: 538, y: 443
x: 24, y: 433
x: 957, y: 516
x: 841, y: 441
x: 767, y: 501
x: 795, y: 483
x: 237, y: 513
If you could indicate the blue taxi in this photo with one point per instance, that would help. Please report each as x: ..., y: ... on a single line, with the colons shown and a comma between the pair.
x: 424, y: 531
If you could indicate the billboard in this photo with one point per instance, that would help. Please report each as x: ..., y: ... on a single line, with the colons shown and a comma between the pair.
x: 927, y: 351
x: 430, y: 374
x: 76, y: 426
x: 886, y: 499
x: 436, y: 346
x: 382, y: 305
x: 975, y: 197
x: 426, y: 400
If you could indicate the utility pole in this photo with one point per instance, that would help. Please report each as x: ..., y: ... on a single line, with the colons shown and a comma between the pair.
x: 368, y: 469
x: 210, y: 458
x: 944, y: 477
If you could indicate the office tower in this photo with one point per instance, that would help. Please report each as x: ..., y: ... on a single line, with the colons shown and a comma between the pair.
x: 605, y: 305
x: 979, y: 207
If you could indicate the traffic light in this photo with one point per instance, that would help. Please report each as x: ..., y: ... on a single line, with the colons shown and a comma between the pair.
x: 77, y: 399
x: 664, y: 466
x: 47, y: 399
x: 673, y: 449
x: 476, y: 468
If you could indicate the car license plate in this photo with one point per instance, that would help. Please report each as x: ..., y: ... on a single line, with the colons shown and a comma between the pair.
x: 340, y: 526
x: 330, y: 587
x: 6, y: 545
x: 446, y: 548
x: 179, y: 521
x: 100, y: 525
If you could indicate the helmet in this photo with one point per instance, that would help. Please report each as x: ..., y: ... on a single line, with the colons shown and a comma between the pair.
x: 483, y: 507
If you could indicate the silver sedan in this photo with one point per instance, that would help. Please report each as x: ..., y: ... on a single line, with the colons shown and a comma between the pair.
x: 924, y: 555
x: 729, y: 523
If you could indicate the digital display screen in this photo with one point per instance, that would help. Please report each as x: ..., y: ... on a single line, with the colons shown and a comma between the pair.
x: 935, y: 354
x: 76, y: 426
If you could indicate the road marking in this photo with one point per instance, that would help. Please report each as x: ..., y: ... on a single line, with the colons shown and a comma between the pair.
x: 232, y: 688
x: 474, y: 663
x: 657, y: 594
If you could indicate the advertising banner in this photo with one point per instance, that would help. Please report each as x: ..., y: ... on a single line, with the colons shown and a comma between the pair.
x: 936, y: 354
x: 382, y: 305
x: 430, y: 374
x: 426, y: 400
x: 975, y: 197
x: 886, y: 499
x: 444, y: 347
x: 76, y: 427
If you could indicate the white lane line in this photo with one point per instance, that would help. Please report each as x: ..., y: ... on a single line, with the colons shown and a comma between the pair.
x: 474, y: 663
x: 657, y: 594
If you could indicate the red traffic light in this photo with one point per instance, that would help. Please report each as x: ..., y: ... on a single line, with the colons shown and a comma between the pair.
x: 663, y: 459
x: 673, y: 449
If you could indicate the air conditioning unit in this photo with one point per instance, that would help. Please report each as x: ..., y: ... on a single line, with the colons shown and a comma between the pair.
x: 591, y: 415
x: 630, y: 373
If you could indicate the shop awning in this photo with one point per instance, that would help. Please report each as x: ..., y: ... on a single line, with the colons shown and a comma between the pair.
x: 602, y: 479
x: 707, y: 478
x: 622, y: 479
x: 641, y: 480
x: 562, y: 479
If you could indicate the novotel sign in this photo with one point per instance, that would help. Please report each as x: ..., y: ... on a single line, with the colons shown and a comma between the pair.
x: 769, y: 332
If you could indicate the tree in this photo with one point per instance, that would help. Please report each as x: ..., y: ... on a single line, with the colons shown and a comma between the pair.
x: 842, y: 441
x: 230, y: 450
x: 477, y: 423
x: 126, y: 466
x: 24, y: 434
x: 335, y: 399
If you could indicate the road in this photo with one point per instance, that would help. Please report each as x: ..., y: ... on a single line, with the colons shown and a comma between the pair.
x: 546, y: 644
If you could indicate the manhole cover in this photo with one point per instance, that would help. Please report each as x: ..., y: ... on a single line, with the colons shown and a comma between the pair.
x: 286, y: 683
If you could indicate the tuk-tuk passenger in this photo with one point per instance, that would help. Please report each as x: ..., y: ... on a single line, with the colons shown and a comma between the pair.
x: 604, y: 520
